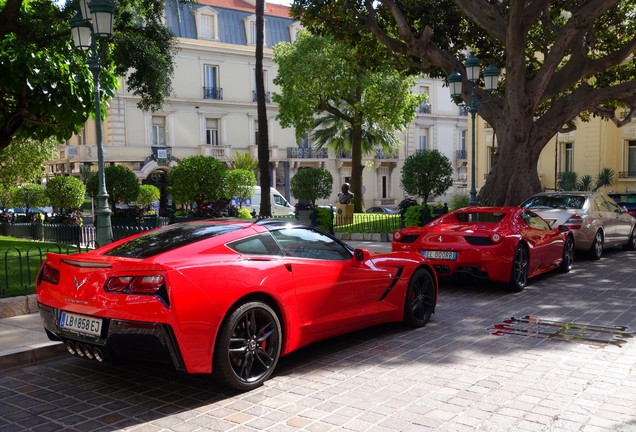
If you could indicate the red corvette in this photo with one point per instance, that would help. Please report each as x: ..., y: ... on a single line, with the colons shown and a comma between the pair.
x: 227, y: 296
x: 502, y: 244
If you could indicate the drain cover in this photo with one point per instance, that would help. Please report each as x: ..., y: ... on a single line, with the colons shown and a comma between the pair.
x: 534, y: 326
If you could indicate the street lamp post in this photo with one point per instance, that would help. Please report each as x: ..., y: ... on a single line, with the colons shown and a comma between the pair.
x: 90, y: 27
x: 455, y: 81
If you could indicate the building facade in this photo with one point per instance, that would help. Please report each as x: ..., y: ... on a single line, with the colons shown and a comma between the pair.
x: 211, y: 111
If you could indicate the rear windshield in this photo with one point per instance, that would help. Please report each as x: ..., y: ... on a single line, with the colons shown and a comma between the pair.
x: 494, y: 217
x: 169, y: 238
x: 555, y: 202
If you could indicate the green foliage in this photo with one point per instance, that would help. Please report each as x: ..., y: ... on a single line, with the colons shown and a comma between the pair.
x: 459, y: 201
x: 316, y: 74
x: 605, y: 178
x: 66, y: 192
x: 22, y: 160
x: 417, y: 215
x: 31, y: 195
x: 310, y: 184
x: 244, y: 213
x: 7, y: 196
x: 585, y: 183
x: 46, y: 85
x: 197, y: 180
x: 427, y: 174
x: 244, y: 161
x: 121, y: 184
x: 324, y: 219
x: 147, y: 195
x: 240, y: 183
x: 568, y: 181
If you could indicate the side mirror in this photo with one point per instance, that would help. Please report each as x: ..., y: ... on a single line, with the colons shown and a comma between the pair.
x: 563, y: 228
x: 360, y: 255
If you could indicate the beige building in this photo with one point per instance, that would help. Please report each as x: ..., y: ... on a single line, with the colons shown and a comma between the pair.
x: 593, y: 146
x: 211, y: 110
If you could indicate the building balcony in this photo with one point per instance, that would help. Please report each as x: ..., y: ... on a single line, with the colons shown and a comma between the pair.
x: 213, y: 93
x: 381, y: 154
x: 343, y: 155
x: 425, y: 109
x: 463, y: 110
x: 306, y: 153
x: 627, y: 175
x: 461, y: 154
x: 221, y: 153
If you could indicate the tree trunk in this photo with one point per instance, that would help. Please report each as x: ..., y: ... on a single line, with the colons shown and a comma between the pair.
x: 356, y: 164
x: 263, y: 140
x: 511, y: 182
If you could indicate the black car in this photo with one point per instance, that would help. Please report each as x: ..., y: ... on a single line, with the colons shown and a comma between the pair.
x: 627, y: 200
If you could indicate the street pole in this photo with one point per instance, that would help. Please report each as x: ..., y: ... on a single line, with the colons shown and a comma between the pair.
x: 103, y: 228
x: 473, y: 108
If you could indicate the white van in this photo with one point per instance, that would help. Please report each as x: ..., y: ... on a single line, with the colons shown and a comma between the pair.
x: 280, y: 206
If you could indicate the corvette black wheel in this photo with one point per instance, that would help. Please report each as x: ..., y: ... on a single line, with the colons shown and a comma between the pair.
x: 248, y: 346
x: 568, y: 255
x: 420, y: 300
x: 519, y: 276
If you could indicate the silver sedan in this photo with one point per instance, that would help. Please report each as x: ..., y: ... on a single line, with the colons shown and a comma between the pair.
x: 595, y: 219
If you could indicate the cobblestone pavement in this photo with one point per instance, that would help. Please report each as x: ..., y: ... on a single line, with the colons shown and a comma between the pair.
x: 541, y: 374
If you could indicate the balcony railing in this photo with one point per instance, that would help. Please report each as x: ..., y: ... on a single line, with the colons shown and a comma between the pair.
x: 381, y: 154
x: 461, y: 154
x: 268, y: 96
x: 343, y: 155
x: 463, y: 110
x: 213, y: 93
x: 627, y: 174
x: 306, y: 153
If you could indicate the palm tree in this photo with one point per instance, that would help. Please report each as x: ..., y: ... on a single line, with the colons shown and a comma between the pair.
x: 605, y: 178
x: 334, y: 132
x: 244, y: 161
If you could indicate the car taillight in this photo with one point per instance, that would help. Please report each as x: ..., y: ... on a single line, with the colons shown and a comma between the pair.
x: 135, y: 284
x: 574, y: 222
x: 49, y: 274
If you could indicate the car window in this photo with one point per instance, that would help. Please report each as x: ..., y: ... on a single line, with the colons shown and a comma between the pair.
x: 612, y: 206
x: 557, y: 201
x: 534, y: 221
x: 169, y: 238
x: 306, y: 243
x: 601, y: 204
x: 262, y: 244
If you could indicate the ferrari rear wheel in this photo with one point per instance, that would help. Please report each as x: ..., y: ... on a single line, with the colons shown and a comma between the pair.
x: 568, y: 255
x: 248, y: 346
x: 420, y: 298
x: 519, y: 276
x: 596, y: 251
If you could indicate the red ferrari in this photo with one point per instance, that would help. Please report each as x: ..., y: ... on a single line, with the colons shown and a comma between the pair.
x: 226, y: 296
x: 501, y: 244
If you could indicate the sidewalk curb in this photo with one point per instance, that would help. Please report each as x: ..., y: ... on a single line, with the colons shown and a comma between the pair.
x: 33, y: 354
x: 18, y: 305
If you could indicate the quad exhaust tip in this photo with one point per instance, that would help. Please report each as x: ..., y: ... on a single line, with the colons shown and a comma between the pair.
x: 85, y: 351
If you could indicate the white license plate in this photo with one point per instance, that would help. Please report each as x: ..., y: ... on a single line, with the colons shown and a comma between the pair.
x: 441, y: 255
x: 81, y: 323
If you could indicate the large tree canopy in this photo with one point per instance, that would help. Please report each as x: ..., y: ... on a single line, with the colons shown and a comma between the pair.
x: 45, y: 84
x: 318, y: 75
x: 561, y: 60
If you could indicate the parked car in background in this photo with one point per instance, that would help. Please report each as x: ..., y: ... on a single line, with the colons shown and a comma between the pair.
x: 595, y: 219
x: 226, y: 296
x: 382, y: 210
x: 501, y: 244
x: 627, y: 200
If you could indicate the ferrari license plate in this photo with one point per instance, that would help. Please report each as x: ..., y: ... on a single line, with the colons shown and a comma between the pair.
x: 441, y: 255
x: 81, y: 323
